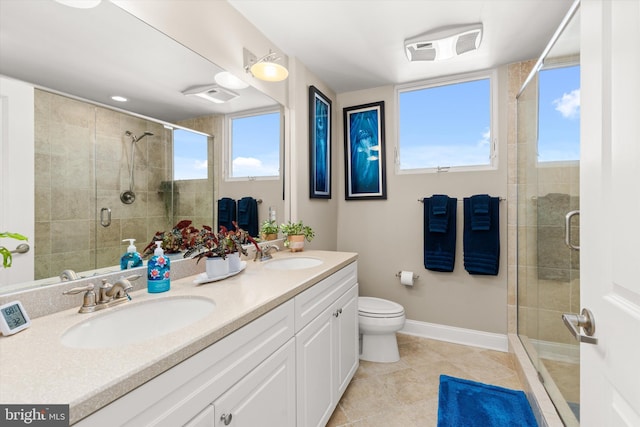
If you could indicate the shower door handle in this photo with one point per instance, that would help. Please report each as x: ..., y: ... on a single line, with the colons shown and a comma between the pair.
x: 584, y: 320
x: 567, y: 229
x: 105, y: 217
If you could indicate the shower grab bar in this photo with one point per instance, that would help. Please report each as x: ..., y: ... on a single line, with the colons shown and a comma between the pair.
x: 567, y: 229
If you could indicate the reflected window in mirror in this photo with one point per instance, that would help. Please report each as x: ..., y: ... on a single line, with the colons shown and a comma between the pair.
x: 254, y: 145
x: 559, y: 114
x: 190, y: 158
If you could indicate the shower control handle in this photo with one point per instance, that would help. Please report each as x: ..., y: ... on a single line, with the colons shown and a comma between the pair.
x: 584, y: 320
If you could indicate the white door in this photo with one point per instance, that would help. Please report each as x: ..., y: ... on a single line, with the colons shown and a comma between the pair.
x: 265, y: 397
x: 16, y: 175
x: 610, y: 211
x: 346, y: 336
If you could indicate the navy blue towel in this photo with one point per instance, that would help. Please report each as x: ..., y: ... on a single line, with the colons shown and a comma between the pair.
x: 482, y: 243
x: 226, y: 213
x: 248, y: 215
x: 438, y: 213
x: 440, y: 247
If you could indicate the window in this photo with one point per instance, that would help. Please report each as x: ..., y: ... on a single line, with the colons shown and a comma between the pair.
x: 254, y: 145
x: 190, y: 159
x: 559, y: 114
x: 445, y: 125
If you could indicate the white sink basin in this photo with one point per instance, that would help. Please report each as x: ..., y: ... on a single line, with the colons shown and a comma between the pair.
x: 137, y: 322
x: 296, y: 263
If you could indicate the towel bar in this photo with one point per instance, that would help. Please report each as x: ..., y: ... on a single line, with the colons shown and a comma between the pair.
x: 502, y: 199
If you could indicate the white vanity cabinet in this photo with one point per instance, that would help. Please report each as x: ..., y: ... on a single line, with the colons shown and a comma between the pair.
x: 326, y: 345
x: 286, y: 368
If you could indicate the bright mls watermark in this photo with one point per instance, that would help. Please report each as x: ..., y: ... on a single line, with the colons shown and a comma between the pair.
x: 34, y: 415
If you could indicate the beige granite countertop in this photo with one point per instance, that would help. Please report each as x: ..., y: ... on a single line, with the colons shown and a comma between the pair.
x: 35, y: 368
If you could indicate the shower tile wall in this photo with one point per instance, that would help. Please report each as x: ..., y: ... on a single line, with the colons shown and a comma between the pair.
x: 69, y: 191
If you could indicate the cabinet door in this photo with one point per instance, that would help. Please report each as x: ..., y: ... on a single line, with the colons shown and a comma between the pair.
x: 346, y: 338
x: 265, y: 397
x: 314, y: 371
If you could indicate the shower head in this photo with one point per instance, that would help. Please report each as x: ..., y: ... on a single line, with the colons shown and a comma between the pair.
x: 135, y: 138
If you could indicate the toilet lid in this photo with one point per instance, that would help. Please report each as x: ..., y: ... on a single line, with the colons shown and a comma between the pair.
x: 373, y: 306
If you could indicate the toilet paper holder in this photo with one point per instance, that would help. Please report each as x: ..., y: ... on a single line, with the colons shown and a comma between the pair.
x: 415, y: 276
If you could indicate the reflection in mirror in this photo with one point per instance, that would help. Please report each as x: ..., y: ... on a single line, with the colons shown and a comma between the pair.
x: 89, y: 149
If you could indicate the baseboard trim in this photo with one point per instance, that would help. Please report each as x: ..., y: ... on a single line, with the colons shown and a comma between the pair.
x: 488, y: 340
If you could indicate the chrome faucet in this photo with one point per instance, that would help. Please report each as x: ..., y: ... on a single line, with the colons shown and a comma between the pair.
x: 263, y: 254
x: 108, y: 294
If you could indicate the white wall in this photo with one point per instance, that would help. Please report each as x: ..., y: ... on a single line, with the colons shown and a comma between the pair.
x: 387, y: 234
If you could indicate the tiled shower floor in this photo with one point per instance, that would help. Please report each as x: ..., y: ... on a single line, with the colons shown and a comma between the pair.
x: 405, y: 393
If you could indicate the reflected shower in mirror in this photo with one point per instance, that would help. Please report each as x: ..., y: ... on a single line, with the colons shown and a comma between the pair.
x: 84, y: 159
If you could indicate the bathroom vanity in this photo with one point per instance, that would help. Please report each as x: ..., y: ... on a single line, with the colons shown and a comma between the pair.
x: 278, y: 349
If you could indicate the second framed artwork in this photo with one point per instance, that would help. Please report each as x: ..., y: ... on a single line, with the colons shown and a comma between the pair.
x: 365, y: 174
x: 319, y: 145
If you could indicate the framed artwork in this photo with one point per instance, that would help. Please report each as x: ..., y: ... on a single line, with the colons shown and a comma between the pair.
x: 319, y: 145
x: 365, y: 176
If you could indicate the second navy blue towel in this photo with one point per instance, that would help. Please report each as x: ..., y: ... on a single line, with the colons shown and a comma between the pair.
x: 482, y: 235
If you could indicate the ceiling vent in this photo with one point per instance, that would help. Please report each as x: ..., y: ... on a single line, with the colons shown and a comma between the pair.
x: 443, y: 43
x: 212, y: 93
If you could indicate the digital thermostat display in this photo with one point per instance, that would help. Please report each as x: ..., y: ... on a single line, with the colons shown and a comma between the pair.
x: 13, y: 318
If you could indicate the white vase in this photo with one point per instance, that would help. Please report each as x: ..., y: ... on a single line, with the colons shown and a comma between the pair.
x: 234, y: 262
x: 217, y: 267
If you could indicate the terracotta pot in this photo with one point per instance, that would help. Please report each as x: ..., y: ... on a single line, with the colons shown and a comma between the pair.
x: 296, y: 243
x: 272, y: 236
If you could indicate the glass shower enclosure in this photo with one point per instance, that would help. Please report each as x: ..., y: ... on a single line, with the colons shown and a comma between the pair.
x: 548, y: 171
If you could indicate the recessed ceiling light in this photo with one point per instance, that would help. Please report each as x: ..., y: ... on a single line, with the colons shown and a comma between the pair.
x: 229, y: 81
x: 119, y: 98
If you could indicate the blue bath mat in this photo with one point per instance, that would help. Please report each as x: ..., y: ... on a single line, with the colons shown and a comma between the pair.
x: 472, y: 404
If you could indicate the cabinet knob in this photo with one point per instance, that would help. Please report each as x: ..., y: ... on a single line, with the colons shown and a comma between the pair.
x: 338, y: 312
x: 226, y: 418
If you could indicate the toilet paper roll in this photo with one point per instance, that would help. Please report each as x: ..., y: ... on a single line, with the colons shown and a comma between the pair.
x: 406, y: 278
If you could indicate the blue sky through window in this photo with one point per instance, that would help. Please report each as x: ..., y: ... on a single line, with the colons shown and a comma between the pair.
x: 446, y: 125
x: 191, y: 162
x: 255, y: 145
x: 559, y: 114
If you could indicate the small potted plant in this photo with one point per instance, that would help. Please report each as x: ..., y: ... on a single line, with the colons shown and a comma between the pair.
x: 296, y: 233
x: 269, y: 229
x: 6, y: 253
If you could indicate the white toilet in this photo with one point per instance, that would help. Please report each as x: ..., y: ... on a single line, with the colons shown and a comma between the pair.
x: 379, y: 320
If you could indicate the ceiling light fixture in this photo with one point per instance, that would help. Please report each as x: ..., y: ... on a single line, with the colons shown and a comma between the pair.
x: 443, y: 43
x: 212, y: 93
x: 265, y: 68
x: 119, y: 98
x: 229, y: 81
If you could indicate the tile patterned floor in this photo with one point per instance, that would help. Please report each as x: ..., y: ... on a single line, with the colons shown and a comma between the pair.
x: 405, y: 393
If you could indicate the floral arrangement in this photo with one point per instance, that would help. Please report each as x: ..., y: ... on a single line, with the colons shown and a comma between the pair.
x: 203, y: 243
x: 225, y: 242
x: 297, y: 229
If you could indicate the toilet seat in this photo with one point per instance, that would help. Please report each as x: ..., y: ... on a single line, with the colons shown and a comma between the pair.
x: 378, y: 308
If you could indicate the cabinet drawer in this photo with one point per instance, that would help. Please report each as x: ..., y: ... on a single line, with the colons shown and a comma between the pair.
x: 310, y: 303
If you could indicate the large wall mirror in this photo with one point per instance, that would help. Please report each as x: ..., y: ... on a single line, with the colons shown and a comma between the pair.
x: 106, y: 170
